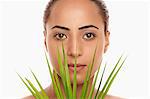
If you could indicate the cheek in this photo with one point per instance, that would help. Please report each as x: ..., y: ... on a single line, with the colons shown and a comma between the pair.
x: 98, y: 56
x: 97, y: 63
x: 52, y: 52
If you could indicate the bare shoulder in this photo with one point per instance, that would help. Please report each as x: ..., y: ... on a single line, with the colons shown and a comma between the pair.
x: 47, y: 90
x: 113, y: 97
x: 29, y: 97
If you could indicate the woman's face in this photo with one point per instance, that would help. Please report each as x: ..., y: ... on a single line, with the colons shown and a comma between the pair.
x: 80, y: 27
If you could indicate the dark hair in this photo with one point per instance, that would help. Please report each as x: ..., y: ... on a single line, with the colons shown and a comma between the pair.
x: 101, y: 5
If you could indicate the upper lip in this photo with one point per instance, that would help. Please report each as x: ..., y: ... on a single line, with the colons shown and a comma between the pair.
x: 78, y: 65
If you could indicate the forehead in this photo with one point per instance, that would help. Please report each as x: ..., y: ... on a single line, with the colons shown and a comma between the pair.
x: 75, y: 13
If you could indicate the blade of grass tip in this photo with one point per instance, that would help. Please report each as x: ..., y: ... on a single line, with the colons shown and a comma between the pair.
x: 53, y: 79
x: 35, y: 90
x: 108, y: 79
x: 42, y: 90
x: 58, y: 84
x: 32, y: 92
x: 75, y: 80
x: 93, y: 85
x: 62, y: 71
x: 67, y: 74
x: 100, y: 82
x: 111, y: 81
x: 100, y: 94
x: 87, y: 87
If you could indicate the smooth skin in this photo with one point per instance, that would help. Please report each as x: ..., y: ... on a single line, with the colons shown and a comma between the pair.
x: 78, y: 24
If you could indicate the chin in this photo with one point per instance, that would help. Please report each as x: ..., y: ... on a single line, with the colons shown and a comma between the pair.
x: 80, y: 78
x: 81, y: 75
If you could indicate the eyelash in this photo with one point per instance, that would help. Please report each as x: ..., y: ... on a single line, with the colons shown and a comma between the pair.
x: 94, y: 35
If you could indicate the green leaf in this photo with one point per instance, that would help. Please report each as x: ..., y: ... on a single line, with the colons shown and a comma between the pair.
x: 32, y: 92
x: 58, y: 84
x: 53, y: 79
x: 75, y: 80
x: 35, y: 90
x: 65, y: 77
x: 93, y: 85
x: 62, y: 72
x: 111, y: 81
x: 109, y: 78
x: 86, y: 82
x: 100, y: 82
x: 42, y: 90
x: 67, y: 73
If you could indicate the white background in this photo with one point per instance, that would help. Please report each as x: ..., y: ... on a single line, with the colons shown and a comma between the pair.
x: 21, y: 46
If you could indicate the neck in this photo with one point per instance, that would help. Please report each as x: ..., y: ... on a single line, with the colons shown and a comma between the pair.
x: 79, y: 88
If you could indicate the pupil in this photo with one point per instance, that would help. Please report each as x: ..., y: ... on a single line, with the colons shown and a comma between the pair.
x: 60, y: 35
x: 88, y: 35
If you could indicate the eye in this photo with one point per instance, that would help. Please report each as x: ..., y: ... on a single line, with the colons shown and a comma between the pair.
x: 89, y: 36
x: 60, y: 36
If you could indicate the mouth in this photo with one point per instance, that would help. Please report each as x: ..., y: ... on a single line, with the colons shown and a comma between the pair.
x: 79, y: 67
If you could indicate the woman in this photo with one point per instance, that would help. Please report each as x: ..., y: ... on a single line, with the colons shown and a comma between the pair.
x: 80, y: 25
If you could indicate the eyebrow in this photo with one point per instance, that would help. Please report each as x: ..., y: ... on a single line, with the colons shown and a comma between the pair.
x: 88, y: 26
x: 61, y: 27
x: 80, y: 28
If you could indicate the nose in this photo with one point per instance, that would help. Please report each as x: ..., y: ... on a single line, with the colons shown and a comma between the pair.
x: 74, y: 49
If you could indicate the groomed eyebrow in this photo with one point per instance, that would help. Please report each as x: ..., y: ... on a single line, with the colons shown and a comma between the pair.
x: 61, y: 27
x: 88, y: 26
x: 80, y: 28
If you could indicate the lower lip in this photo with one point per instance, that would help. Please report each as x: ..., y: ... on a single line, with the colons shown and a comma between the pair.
x: 77, y: 68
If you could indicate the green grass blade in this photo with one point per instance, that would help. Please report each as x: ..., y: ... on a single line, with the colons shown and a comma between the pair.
x: 35, y: 90
x: 53, y: 79
x: 111, y: 81
x: 100, y: 82
x: 109, y: 78
x: 67, y: 73
x: 75, y: 80
x: 58, y: 84
x: 62, y: 72
x: 84, y: 92
x: 32, y: 92
x: 42, y: 90
x: 90, y: 71
x: 93, y: 86
x: 85, y: 83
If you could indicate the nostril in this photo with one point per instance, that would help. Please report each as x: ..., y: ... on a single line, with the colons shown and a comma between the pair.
x: 74, y: 55
x: 74, y: 51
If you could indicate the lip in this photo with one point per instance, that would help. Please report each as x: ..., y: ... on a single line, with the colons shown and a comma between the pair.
x: 78, y: 67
